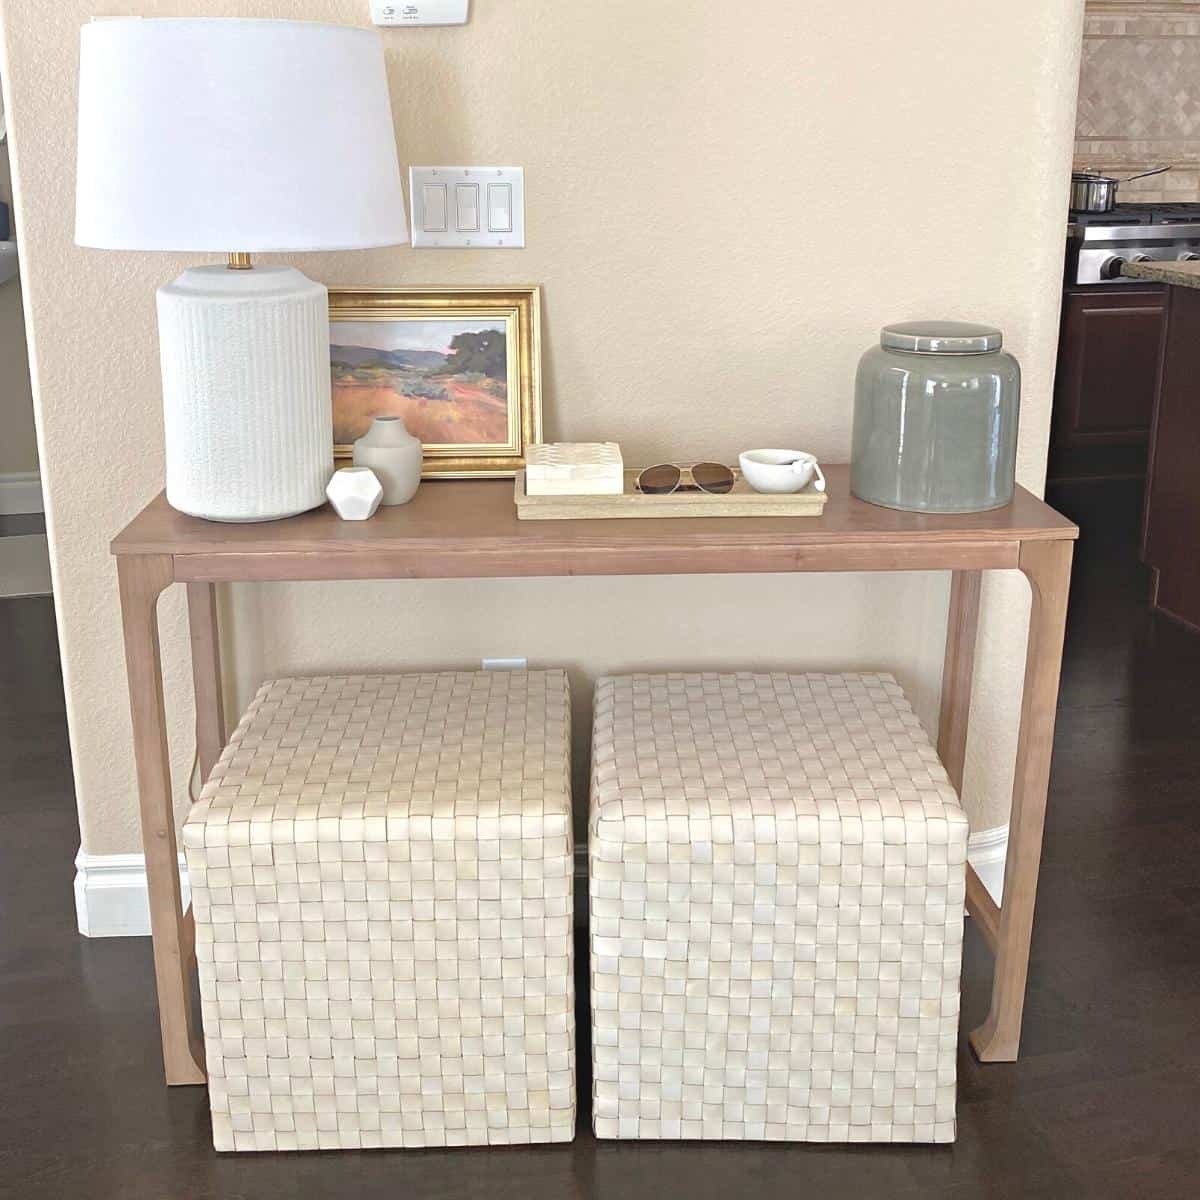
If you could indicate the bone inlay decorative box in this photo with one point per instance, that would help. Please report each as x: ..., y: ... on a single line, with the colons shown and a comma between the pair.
x: 777, y: 882
x: 381, y: 871
x: 574, y: 469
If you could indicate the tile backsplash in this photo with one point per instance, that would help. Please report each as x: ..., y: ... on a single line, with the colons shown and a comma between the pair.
x: 1139, y: 95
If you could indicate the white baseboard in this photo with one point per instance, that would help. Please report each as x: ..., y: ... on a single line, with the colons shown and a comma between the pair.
x: 20, y: 492
x: 110, y: 889
x: 986, y: 852
x: 110, y: 894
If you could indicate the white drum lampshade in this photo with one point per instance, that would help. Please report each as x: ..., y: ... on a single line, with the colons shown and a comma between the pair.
x: 238, y: 136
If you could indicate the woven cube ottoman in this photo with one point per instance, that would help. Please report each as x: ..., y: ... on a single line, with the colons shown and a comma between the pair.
x: 777, y: 886
x: 381, y: 871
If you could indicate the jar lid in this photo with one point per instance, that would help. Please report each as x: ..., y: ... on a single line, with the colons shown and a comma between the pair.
x: 941, y: 337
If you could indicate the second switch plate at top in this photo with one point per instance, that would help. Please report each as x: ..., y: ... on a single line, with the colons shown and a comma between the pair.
x: 467, y: 207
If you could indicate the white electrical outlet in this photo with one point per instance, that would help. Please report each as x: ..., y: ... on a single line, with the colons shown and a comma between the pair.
x: 467, y: 207
x: 504, y: 664
x: 392, y: 13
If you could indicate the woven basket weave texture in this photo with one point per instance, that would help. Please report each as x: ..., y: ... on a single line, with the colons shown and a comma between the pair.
x: 777, y: 877
x: 381, y: 871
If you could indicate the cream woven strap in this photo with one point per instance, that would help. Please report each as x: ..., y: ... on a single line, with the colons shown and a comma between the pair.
x: 777, y: 881
x: 382, y: 870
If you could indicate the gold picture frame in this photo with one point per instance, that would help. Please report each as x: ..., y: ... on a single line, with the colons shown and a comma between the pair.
x: 377, y: 371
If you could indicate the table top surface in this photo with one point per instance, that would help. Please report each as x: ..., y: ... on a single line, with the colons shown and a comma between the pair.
x: 481, y: 515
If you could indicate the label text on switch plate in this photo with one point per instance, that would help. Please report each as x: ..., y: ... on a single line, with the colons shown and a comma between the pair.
x: 419, y: 12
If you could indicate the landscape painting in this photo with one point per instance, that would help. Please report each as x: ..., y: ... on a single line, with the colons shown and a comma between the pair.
x: 448, y: 378
x: 460, y: 366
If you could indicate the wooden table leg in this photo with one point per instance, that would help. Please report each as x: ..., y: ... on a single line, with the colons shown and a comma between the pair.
x: 1047, y: 565
x: 142, y: 579
x: 206, y: 675
x: 958, y: 672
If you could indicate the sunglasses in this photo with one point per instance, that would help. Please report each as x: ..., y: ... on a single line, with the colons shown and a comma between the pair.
x: 666, y: 478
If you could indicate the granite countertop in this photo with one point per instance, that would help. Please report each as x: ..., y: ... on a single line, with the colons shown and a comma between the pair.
x: 1182, y: 274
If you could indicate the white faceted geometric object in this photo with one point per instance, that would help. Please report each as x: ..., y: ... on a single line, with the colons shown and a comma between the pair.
x: 382, y: 883
x: 355, y: 493
x: 777, y: 876
x: 574, y: 469
x: 247, y: 412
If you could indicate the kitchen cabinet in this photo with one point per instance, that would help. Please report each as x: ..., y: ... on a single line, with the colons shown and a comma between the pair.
x: 1109, y: 360
x: 1172, y: 513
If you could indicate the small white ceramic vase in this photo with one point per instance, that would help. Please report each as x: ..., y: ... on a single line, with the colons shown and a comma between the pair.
x: 395, y: 457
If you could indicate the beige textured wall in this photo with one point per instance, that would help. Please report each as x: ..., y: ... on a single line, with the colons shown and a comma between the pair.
x: 1139, y: 95
x: 18, y: 444
x: 707, y: 213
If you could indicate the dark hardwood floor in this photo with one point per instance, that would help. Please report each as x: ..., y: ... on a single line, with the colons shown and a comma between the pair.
x: 1105, y: 1101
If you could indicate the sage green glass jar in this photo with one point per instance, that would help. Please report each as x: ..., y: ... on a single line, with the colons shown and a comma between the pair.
x: 936, y: 406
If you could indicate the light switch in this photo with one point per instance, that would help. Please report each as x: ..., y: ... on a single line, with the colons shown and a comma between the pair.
x: 434, y: 207
x: 499, y: 207
x: 467, y: 207
x: 467, y: 202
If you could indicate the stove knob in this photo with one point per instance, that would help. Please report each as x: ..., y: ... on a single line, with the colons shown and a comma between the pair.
x: 1111, y: 268
x: 1188, y: 256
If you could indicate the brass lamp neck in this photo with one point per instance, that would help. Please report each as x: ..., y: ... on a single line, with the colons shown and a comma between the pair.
x: 239, y: 260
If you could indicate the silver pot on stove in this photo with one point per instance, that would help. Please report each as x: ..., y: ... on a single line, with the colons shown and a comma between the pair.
x: 1092, y: 192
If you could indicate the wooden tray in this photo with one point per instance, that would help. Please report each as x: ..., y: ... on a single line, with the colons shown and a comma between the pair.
x: 743, y: 501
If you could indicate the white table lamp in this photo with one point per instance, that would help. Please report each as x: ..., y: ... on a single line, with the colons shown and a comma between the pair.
x: 239, y: 136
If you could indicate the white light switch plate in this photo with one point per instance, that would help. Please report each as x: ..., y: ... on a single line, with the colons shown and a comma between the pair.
x: 467, y: 206
x: 419, y: 12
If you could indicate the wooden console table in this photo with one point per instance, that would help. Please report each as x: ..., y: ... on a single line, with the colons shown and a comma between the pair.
x: 469, y: 530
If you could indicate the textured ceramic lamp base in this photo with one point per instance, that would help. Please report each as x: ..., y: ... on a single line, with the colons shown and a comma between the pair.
x: 246, y: 395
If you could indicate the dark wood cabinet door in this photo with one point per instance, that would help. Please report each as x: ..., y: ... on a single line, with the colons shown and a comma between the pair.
x: 1171, y: 523
x: 1110, y: 352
